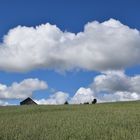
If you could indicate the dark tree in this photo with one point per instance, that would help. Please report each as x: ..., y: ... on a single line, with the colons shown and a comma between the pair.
x: 66, y: 103
x: 94, y: 101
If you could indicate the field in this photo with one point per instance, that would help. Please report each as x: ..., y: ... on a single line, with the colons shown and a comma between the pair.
x: 108, y: 121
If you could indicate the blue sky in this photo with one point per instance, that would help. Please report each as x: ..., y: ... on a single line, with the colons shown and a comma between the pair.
x: 70, y: 16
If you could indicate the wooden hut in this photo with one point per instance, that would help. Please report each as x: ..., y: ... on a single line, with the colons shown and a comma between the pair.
x: 28, y: 101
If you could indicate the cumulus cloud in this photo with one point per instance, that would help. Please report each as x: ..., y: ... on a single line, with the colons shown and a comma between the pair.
x: 55, y: 99
x: 109, y: 87
x: 109, y: 45
x: 3, y: 103
x: 21, y: 90
x: 111, y: 82
x: 82, y: 95
x: 116, y: 86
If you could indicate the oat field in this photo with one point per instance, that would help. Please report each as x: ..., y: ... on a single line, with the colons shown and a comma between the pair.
x: 108, y: 121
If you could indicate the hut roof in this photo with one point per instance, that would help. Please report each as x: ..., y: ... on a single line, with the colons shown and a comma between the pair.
x: 28, y: 101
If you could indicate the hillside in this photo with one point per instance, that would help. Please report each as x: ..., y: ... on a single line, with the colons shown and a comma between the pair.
x: 108, y: 121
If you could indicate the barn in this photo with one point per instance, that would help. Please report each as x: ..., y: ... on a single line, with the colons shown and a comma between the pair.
x: 28, y: 101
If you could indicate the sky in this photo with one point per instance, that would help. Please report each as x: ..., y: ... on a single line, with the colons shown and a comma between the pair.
x: 74, y: 50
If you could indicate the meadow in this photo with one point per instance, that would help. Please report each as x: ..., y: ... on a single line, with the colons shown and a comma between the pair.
x: 107, y: 121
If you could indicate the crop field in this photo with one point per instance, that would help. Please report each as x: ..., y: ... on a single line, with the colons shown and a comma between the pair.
x: 108, y: 121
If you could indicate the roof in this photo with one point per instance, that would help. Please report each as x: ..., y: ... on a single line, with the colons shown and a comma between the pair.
x: 28, y: 101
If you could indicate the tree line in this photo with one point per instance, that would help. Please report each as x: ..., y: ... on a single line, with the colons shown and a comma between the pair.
x: 94, y: 101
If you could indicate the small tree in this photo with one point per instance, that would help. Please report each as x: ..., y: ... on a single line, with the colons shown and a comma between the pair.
x: 94, y: 101
x: 86, y: 103
x: 66, y: 103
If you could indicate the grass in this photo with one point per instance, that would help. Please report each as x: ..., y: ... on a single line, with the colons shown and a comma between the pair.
x: 109, y: 121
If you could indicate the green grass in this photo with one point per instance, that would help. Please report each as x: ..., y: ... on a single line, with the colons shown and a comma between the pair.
x: 110, y: 121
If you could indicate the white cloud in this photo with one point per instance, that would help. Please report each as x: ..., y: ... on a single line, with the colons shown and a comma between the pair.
x: 116, y: 86
x: 118, y: 96
x: 111, y: 82
x: 82, y: 95
x: 3, y: 103
x: 21, y: 90
x: 55, y: 99
x: 110, y: 86
x: 101, y: 46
